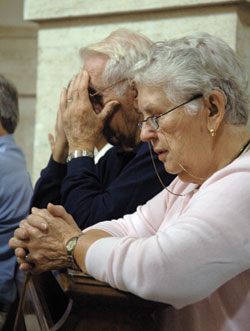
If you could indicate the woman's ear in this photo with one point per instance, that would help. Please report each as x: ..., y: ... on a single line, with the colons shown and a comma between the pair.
x: 215, y: 103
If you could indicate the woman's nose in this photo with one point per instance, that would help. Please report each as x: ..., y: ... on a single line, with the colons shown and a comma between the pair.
x: 147, y: 133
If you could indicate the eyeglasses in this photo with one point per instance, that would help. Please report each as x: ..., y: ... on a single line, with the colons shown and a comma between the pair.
x: 96, y: 97
x: 152, y: 121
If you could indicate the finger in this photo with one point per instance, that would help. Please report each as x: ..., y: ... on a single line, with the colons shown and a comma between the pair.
x: 23, y: 223
x: 25, y: 266
x: 39, y: 219
x: 34, y: 231
x: 16, y: 243
x: 20, y: 252
x: 83, y: 80
x: 83, y: 87
x: 59, y: 211
x: 84, y: 84
x: 75, y: 88
x: 21, y: 260
x: 71, y: 87
x: 109, y: 108
x: 25, y: 230
x: 59, y: 117
x: 21, y: 233
x: 40, y: 211
x: 63, y: 99
x: 51, y: 141
x: 78, y: 80
x: 24, y: 226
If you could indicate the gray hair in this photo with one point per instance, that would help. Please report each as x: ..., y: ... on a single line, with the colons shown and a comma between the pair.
x: 125, y: 49
x: 198, y: 64
x: 9, y: 113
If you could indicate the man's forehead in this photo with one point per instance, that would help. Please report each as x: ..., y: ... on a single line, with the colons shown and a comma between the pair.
x: 93, y: 72
x: 95, y: 66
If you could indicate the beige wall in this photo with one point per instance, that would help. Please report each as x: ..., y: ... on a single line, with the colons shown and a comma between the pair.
x: 65, y: 26
x: 18, y: 62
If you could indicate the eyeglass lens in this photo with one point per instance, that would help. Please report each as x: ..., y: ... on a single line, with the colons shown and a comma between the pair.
x: 151, y: 121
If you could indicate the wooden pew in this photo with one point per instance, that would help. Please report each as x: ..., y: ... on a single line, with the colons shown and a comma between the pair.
x: 70, y: 301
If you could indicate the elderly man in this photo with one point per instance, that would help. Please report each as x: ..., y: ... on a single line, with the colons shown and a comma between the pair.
x: 122, y: 178
x: 15, y: 192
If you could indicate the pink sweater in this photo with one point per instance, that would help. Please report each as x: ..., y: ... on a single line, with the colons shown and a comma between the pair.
x: 192, y: 252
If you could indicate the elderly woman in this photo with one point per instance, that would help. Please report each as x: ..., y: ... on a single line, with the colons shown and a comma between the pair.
x: 190, y: 245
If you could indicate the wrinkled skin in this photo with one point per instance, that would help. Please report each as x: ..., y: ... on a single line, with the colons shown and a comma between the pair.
x: 44, y: 235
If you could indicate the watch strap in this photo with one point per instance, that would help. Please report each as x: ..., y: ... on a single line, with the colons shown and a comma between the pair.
x: 79, y: 153
x: 70, y: 251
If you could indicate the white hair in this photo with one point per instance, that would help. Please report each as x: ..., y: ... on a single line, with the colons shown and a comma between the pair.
x: 125, y: 49
x: 196, y: 65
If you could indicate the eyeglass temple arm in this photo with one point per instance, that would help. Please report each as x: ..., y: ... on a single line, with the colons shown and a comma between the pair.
x: 197, y: 96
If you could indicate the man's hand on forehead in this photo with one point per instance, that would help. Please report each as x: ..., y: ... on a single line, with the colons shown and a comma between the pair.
x: 82, y: 125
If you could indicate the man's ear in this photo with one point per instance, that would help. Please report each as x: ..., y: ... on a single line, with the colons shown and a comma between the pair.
x: 215, y: 103
x: 134, y: 88
x: 134, y: 94
x: 2, y: 130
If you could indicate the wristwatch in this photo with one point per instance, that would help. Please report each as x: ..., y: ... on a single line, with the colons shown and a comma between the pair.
x: 78, y: 153
x: 70, y: 246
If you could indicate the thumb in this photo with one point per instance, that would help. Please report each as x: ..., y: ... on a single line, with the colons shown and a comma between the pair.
x: 109, y: 108
x: 59, y: 211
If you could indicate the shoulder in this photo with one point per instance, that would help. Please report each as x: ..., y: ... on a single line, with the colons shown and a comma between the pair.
x: 236, y: 173
x: 226, y: 192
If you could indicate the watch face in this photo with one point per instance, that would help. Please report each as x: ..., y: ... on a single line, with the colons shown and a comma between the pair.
x: 71, y: 244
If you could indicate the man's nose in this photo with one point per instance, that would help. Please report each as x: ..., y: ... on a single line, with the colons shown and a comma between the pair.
x: 147, y: 133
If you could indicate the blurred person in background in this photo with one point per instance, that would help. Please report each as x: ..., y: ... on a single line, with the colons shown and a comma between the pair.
x: 15, y: 193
